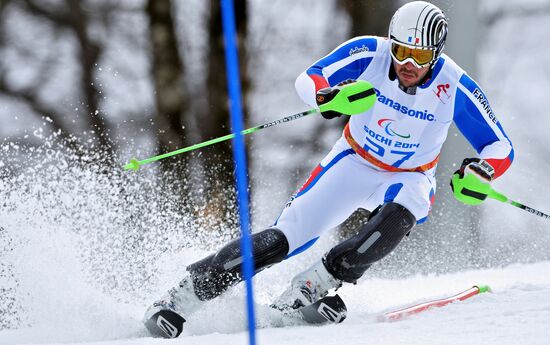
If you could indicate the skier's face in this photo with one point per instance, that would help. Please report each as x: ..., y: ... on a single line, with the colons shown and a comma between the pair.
x: 408, y: 74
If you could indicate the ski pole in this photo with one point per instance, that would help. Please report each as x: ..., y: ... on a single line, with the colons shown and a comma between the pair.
x: 352, y: 99
x: 135, y: 164
x: 493, y: 194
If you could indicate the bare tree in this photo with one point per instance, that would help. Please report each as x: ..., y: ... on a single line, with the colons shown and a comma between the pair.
x: 75, y: 19
x: 171, y: 99
x: 167, y: 72
x: 70, y: 16
x: 213, y: 121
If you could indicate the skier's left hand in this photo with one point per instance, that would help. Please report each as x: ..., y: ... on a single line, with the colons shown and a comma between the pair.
x: 471, y: 184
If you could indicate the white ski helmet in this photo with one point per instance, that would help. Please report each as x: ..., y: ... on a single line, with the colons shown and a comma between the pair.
x: 418, y: 31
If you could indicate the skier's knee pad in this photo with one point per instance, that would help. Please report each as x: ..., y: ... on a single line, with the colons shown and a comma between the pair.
x: 217, y: 272
x: 350, y: 259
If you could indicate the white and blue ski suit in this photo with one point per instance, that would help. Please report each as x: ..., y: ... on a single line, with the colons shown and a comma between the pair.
x: 390, y: 152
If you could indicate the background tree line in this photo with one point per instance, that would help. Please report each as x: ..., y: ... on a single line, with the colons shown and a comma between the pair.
x: 58, y: 71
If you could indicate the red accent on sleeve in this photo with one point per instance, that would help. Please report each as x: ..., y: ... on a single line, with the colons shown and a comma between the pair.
x: 500, y: 165
x: 312, y: 177
x: 319, y: 81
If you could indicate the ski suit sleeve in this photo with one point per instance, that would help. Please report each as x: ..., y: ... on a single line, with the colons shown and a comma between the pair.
x: 347, y: 61
x: 476, y: 121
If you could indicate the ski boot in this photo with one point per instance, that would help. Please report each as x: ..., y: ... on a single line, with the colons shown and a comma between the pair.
x: 165, y: 318
x: 308, y: 297
x: 307, y: 288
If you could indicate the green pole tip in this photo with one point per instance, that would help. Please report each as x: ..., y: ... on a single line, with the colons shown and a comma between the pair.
x: 483, y: 288
x: 133, y: 165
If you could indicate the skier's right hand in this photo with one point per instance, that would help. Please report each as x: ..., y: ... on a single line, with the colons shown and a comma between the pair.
x: 327, y: 94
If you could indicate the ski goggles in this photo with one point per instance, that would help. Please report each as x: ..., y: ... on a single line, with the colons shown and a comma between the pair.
x: 420, y: 57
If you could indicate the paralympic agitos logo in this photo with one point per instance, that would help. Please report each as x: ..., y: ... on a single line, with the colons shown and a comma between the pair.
x: 386, y: 124
x: 418, y: 114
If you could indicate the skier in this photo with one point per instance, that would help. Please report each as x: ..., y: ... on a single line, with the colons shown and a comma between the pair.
x: 384, y: 162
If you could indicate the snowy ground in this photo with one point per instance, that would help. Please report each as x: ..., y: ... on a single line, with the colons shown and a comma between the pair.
x: 516, y: 312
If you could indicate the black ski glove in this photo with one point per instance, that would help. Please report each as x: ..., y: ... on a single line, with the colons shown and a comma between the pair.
x: 326, y: 95
x: 471, y: 184
x: 479, y: 166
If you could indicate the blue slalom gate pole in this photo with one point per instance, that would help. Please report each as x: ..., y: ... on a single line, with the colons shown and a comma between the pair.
x: 233, y: 84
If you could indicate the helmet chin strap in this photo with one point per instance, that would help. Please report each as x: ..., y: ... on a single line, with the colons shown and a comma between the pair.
x: 410, y: 90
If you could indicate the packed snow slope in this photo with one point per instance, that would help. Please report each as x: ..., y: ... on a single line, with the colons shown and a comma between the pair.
x: 85, y: 250
x: 517, y: 311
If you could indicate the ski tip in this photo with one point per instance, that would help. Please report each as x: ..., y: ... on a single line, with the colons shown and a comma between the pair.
x: 383, y: 318
x: 133, y: 165
x: 483, y: 288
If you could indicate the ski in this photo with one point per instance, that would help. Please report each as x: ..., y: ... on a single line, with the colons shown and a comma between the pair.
x: 418, y: 308
x: 330, y: 309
